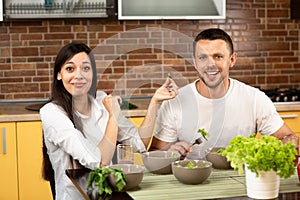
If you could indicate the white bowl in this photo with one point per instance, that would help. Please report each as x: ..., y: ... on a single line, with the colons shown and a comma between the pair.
x: 195, y: 175
x: 133, y: 173
x: 218, y: 161
x: 159, y: 162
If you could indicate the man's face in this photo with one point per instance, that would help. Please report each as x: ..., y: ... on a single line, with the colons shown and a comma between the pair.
x: 212, y: 60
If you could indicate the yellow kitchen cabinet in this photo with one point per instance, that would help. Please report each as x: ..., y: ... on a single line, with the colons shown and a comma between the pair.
x: 292, y: 119
x: 137, y: 121
x: 21, y: 162
x: 8, y: 162
x: 29, y: 142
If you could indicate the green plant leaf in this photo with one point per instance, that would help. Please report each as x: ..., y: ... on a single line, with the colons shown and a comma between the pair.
x: 99, y: 178
x: 190, y: 165
x: 120, y: 179
x: 261, y: 154
x: 203, y: 132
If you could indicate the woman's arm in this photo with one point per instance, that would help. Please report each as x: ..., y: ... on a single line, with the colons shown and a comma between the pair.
x: 167, y: 91
x: 108, y: 144
x: 59, y: 131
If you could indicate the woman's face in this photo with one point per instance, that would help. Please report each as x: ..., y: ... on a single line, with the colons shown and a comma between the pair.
x: 77, y: 75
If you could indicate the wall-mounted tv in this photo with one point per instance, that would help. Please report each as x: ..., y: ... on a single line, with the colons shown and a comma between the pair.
x: 171, y: 9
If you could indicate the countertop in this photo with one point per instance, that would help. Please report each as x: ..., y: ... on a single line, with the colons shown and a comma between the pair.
x: 287, y: 106
x: 13, y: 111
x: 16, y: 110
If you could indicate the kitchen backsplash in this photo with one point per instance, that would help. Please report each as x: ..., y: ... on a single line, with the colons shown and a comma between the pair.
x: 134, y: 57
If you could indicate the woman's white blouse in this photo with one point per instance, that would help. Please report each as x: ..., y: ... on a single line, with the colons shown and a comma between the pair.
x: 64, y: 140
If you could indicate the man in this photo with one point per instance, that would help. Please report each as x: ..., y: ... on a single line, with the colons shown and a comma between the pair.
x: 223, y: 106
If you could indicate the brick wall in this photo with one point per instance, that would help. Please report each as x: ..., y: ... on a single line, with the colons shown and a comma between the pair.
x: 133, y: 57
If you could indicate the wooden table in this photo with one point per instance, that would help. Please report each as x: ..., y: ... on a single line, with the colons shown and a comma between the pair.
x: 222, y: 184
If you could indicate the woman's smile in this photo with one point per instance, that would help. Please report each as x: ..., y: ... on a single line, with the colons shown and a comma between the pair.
x: 78, y: 85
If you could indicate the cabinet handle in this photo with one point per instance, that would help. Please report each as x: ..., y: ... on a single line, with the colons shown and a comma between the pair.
x: 293, y: 116
x: 4, y: 140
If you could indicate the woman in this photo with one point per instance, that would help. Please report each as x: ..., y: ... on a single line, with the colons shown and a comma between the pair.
x: 81, y: 130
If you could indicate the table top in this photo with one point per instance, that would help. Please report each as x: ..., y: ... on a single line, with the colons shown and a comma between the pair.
x: 222, y: 184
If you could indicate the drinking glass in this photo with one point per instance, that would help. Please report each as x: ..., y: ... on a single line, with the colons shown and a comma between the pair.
x: 125, y: 154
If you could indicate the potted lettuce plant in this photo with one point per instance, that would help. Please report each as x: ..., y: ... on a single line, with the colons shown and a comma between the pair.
x: 261, y: 155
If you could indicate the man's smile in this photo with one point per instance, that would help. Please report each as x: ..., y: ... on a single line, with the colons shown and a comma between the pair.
x: 212, y: 73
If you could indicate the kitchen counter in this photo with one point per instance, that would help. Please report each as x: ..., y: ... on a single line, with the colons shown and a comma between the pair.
x: 16, y: 111
x: 11, y: 111
x: 287, y: 106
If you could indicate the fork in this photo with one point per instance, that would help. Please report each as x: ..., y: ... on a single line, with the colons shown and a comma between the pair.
x: 197, y: 141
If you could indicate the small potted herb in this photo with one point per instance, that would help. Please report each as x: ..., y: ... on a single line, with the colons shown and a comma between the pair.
x: 263, y: 154
x: 100, y: 177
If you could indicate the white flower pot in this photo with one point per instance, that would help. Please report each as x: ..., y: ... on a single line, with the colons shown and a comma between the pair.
x: 265, y: 186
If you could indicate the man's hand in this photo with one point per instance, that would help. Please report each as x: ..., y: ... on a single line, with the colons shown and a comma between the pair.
x: 182, y: 147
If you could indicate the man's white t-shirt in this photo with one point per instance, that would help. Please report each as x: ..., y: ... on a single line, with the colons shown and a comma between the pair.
x: 242, y: 111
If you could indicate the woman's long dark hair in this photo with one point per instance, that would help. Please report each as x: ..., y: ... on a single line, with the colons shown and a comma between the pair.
x: 47, y: 169
x: 61, y: 97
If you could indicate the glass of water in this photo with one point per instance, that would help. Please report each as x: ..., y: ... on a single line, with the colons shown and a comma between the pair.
x: 125, y: 154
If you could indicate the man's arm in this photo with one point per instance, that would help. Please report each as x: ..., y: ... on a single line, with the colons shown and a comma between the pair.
x: 159, y: 145
x: 182, y: 147
x: 283, y: 132
x: 167, y: 91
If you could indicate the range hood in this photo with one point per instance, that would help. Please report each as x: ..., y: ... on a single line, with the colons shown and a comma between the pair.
x: 171, y: 9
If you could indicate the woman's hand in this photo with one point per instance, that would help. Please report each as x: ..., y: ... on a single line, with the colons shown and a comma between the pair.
x: 112, y: 104
x: 167, y: 91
